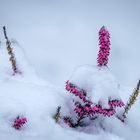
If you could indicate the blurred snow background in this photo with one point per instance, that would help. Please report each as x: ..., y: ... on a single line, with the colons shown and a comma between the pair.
x: 58, y: 35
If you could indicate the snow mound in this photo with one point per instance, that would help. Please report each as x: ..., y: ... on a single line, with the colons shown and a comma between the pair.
x: 28, y: 75
x: 26, y: 95
x: 98, y: 82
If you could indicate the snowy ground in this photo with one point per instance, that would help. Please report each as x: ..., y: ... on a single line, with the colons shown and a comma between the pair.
x: 57, y: 36
x: 37, y: 100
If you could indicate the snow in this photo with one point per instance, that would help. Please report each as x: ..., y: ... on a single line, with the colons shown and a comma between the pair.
x: 37, y: 99
x: 57, y: 37
x: 26, y: 95
x: 98, y: 82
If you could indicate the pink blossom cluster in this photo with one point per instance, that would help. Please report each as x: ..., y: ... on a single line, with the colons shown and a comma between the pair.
x: 19, y: 122
x: 99, y: 110
x: 116, y: 103
x: 89, y: 108
x: 104, y: 42
x: 76, y: 91
x: 80, y: 110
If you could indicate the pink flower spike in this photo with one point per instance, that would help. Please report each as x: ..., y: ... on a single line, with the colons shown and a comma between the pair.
x: 104, y: 42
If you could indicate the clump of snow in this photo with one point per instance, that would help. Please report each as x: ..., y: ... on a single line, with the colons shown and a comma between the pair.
x: 98, y: 82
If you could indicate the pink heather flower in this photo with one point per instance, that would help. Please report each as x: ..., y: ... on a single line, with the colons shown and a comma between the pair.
x: 104, y: 42
x: 77, y: 92
x: 87, y: 108
x: 116, y: 103
x: 19, y: 122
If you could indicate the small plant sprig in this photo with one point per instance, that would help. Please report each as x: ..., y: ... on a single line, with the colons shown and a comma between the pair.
x: 19, y: 122
x: 132, y: 99
x: 11, y: 54
x: 57, y: 116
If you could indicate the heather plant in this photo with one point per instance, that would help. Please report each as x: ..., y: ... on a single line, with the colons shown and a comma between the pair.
x: 104, y: 42
x: 19, y: 122
x: 85, y: 110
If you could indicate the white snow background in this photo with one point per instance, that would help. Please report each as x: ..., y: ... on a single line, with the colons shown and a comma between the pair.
x: 55, y: 37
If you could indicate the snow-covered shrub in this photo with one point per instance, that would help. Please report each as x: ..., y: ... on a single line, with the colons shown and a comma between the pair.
x: 94, y: 94
x: 93, y: 91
